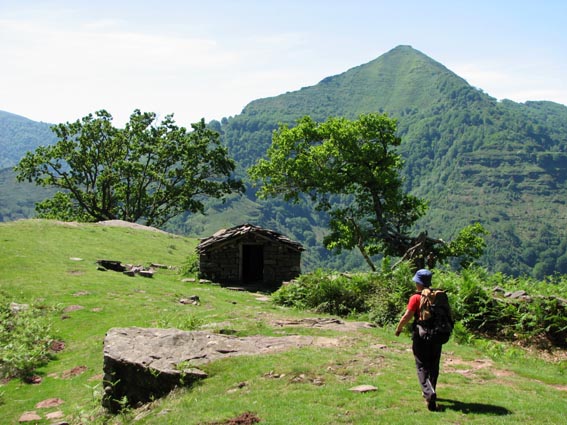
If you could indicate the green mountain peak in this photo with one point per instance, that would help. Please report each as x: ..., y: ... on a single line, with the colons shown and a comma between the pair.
x: 403, y: 78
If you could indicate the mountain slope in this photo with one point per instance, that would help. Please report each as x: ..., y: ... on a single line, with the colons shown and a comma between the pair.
x: 472, y: 157
x: 401, y: 82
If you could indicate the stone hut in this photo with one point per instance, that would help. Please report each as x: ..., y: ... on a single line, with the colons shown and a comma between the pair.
x: 249, y: 255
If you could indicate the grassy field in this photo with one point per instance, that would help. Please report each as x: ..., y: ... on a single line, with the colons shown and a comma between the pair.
x: 54, y: 265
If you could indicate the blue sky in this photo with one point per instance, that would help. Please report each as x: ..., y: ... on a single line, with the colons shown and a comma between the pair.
x: 207, y: 59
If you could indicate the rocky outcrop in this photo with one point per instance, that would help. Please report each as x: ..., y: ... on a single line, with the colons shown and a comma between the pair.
x: 141, y: 364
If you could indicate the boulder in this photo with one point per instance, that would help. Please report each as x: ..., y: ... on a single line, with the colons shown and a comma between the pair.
x: 141, y: 364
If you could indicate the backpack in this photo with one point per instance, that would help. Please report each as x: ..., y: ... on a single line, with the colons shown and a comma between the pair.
x: 435, y: 322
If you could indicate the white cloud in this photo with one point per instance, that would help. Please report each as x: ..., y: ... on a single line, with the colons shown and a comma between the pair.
x: 77, y: 70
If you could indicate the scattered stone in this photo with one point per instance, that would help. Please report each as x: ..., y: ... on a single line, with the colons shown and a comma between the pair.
x: 56, y: 415
x: 263, y: 298
x: 96, y: 309
x: 113, y: 265
x: 189, y: 280
x: 518, y: 295
x: 379, y: 346
x: 194, y: 299
x: 127, y: 269
x: 73, y: 308
x: 160, y: 266
x: 50, y: 402
x: 15, y: 308
x: 238, y: 386
x: 304, y: 378
x: 34, y: 379
x: 75, y: 259
x: 247, y: 418
x: 273, y: 375
x: 71, y: 373
x: 81, y: 293
x: 363, y: 388
x: 29, y: 417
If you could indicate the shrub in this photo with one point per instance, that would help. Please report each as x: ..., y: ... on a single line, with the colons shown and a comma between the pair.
x: 326, y: 292
x: 391, y: 295
x: 24, y: 339
x: 191, y: 265
x: 539, y: 319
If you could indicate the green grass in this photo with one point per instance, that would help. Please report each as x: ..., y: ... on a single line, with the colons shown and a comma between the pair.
x: 310, y: 385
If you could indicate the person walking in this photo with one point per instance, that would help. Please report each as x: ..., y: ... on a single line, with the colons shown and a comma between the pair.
x: 427, y: 354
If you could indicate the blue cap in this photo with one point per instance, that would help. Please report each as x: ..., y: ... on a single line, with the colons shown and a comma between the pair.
x: 423, y: 277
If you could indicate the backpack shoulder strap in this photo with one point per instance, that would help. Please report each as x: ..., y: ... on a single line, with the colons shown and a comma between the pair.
x: 425, y: 304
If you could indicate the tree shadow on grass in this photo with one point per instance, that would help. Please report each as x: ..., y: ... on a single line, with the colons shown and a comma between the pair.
x: 478, y: 408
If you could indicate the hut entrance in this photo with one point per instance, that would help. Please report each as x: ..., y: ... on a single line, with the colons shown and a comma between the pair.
x: 252, y: 263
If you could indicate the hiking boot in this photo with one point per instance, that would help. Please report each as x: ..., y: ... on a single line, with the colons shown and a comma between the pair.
x: 432, y: 403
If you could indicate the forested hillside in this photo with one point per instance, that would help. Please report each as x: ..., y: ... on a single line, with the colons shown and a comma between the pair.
x: 475, y: 159
x: 18, y: 135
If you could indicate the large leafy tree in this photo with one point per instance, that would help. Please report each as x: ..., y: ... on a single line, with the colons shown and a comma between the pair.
x: 351, y: 170
x: 148, y: 171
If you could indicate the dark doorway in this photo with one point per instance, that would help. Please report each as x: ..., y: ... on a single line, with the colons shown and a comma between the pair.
x: 252, y: 263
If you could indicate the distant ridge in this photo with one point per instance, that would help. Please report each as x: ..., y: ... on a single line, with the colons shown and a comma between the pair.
x: 18, y: 135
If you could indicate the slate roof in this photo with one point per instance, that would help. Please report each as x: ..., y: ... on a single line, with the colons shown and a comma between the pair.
x: 226, y: 235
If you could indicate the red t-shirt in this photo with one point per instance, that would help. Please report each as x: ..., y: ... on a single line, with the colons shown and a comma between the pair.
x: 413, y: 304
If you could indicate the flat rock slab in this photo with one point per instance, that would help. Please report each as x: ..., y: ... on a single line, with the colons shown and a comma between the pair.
x: 141, y: 364
x: 363, y: 388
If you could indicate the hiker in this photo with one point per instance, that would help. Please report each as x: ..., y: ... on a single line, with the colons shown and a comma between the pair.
x: 427, y: 354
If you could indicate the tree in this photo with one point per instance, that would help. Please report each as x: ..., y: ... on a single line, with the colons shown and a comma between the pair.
x: 351, y: 170
x: 148, y: 171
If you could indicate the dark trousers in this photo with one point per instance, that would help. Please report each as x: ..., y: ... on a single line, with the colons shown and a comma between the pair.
x: 427, y: 357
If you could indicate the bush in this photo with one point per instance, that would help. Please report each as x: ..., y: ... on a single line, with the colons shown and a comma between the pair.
x: 325, y: 292
x: 191, y: 265
x: 390, y: 299
x: 539, y: 319
x: 24, y: 339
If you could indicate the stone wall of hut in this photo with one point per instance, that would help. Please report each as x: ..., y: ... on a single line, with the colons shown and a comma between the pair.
x: 222, y: 263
